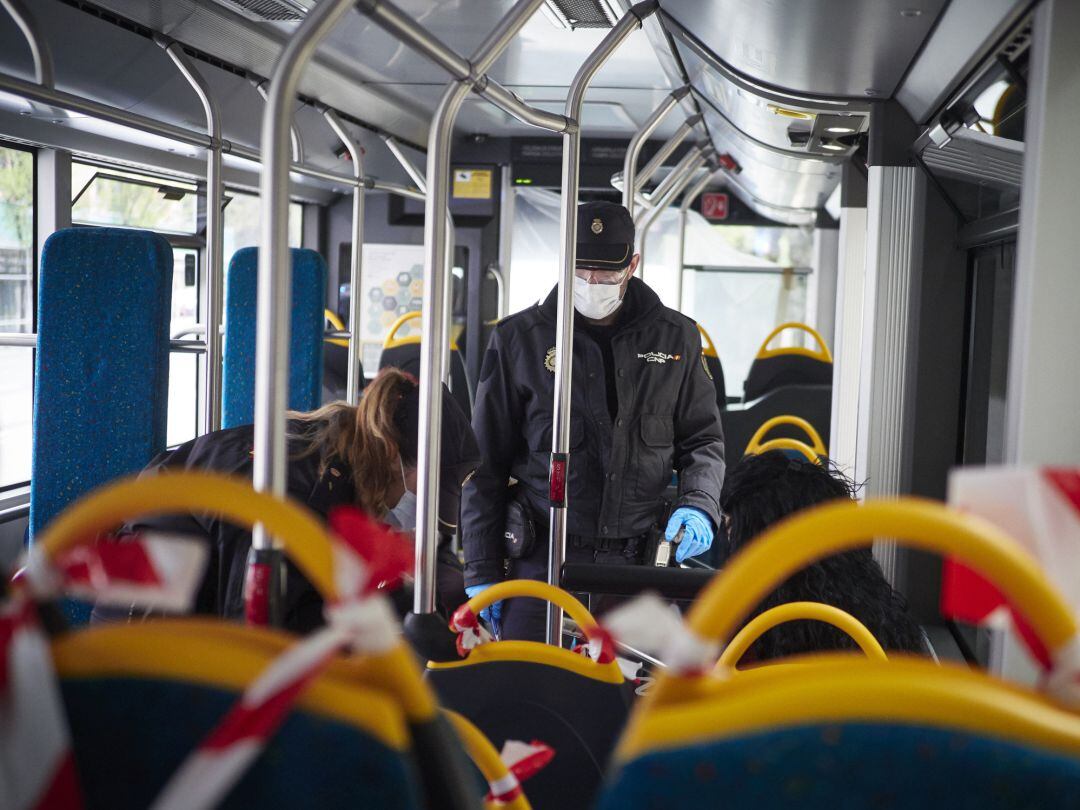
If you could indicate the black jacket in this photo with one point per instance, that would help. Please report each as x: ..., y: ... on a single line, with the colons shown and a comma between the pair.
x: 231, y: 452
x: 667, y: 419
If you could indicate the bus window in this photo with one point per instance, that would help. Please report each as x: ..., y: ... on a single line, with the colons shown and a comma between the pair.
x: 16, y: 312
x: 111, y: 197
x: 242, y: 223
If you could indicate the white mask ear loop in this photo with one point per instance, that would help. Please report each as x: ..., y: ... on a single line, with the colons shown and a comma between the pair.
x: 401, y: 466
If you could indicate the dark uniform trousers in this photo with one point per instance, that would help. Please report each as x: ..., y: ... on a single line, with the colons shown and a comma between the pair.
x: 526, y: 619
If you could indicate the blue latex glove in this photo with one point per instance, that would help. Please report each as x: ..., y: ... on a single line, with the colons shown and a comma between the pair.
x: 491, y: 614
x: 697, y: 532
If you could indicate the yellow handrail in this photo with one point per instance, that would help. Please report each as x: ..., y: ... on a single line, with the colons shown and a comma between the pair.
x: 709, y: 348
x: 338, y: 324
x: 797, y: 421
x: 486, y: 759
x: 785, y: 444
x: 303, y: 538
x: 822, y: 353
x: 799, y: 611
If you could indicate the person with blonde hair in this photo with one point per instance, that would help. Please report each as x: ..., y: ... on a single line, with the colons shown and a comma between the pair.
x: 363, y: 456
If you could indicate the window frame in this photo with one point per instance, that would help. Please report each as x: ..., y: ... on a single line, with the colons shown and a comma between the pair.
x: 35, y: 251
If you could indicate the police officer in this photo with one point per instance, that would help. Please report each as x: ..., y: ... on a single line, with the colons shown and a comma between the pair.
x: 642, y: 404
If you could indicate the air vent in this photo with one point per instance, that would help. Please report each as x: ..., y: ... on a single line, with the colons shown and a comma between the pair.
x: 581, y: 13
x: 268, y: 10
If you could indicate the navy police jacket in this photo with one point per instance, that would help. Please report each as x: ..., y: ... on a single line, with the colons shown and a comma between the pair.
x: 619, y: 469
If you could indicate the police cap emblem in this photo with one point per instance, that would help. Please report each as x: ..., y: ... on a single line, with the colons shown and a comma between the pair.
x: 597, y: 226
x: 549, y: 360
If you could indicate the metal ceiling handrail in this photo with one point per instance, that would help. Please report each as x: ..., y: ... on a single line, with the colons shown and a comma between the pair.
x: 665, y: 151
x: 684, y: 209
x: 214, y: 294
x: 633, y: 149
x: 680, y: 179
x: 356, y: 154
x: 294, y: 133
x: 397, y: 22
x: 656, y: 199
x: 564, y: 319
x: 44, y: 69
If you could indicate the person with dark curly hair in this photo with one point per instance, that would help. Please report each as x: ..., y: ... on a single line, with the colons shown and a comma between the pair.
x: 762, y: 489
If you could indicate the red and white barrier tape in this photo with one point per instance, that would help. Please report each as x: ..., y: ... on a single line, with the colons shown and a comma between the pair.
x: 366, y: 557
x: 470, y: 633
x: 652, y: 626
x: 523, y: 760
x: 148, y: 570
x: 37, y: 767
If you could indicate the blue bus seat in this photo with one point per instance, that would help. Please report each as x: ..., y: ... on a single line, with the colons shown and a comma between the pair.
x: 101, y: 378
x: 305, y: 341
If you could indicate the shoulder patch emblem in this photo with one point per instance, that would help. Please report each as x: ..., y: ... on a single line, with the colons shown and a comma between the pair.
x: 705, y: 366
x: 597, y: 226
x: 659, y: 357
x: 549, y: 360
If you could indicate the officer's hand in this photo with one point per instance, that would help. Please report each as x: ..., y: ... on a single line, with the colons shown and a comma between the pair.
x: 492, y: 614
x: 697, y: 532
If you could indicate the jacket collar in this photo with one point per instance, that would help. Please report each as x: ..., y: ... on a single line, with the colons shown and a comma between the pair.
x: 640, y: 304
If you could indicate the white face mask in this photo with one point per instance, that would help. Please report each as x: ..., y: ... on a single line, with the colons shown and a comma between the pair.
x: 596, y: 301
x: 403, y: 515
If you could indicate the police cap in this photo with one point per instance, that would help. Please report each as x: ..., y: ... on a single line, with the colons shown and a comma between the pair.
x: 605, y: 236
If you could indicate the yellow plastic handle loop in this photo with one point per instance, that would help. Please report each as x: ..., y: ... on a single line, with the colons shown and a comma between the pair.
x: 512, y: 588
x: 822, y: 352
x: 338, y: 324
x: 392, y: 340
x: 799, y: 611
x: 304, y: 539
x: 709, y: 348
x: 788, y: 419
x: 485, y: 757
x: 831, y: 528
x: 786, y: 444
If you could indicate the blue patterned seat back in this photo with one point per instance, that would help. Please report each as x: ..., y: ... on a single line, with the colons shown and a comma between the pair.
x: 101, y: 381
x: 847, y: 766
x: 305, y: 341
x: 130, y: 735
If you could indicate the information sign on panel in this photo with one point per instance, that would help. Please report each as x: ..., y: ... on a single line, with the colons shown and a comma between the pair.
x: 472, y: 184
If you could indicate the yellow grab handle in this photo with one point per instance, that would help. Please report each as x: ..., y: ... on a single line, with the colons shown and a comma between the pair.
x: 831, y: 528
x: 799, y: 611
x: 755, y: 444
x: 822, y: 353
x: 486, y: 758
x: 785, y: 444
x: 709, y: 348
x: 338, y: 324
x: 512, y: 588
x: 304, y: 538
x: 391, y: 337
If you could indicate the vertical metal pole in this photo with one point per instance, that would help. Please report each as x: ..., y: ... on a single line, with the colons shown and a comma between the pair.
x: 507, y: 201
x: 421, y: 183
x: 44, y: 72
x: 564, y: 322
x: 633, y: 149
x: 274, y: 293
x: 213, y: 298
x: 684, y: 209
x: 435, y: 338
x: 356, y: 154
